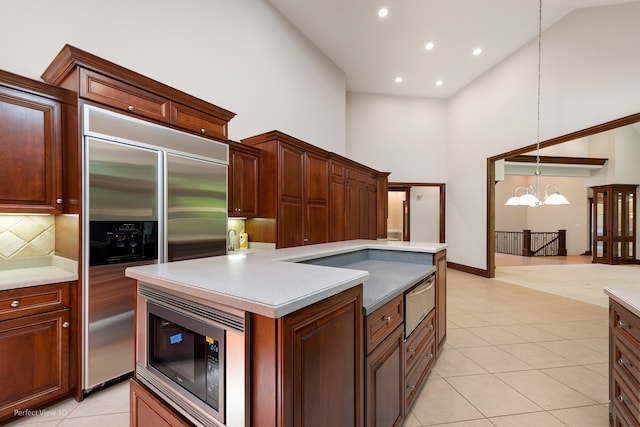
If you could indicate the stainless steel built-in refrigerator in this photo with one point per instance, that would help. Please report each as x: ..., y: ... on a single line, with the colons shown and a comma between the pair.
x: 152, y: 194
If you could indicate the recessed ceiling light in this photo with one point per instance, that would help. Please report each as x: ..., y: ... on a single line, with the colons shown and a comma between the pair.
x: 398, y: 79
x: 477, y: 51
x: 439, y: 82
x: 429, y: 46
x: 383, y: 12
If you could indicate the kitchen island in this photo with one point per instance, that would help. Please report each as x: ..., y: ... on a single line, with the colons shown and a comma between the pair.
x: 624, y: 359
x: 312, y: 320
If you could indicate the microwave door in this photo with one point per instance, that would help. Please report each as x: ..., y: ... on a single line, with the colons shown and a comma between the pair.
x: 196, y: 195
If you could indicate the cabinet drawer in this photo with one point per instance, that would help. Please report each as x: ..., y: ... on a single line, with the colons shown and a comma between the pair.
x: 198, y: 121
x: 108, y: 91
x: 418, y: 340
x: 382, y: 321
x: 625, y: 399
x: 625, y: 323
x: 626, y: 361
x: 32, y: 300
x: 418, y: 373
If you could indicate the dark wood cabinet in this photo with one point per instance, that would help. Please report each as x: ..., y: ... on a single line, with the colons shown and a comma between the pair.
x: 384, y: 365
x: 294, y: 180
x: 149, y: 411
x: 34, y: 347
x: 614, y: 224
x: 384, y: 382
x: 624, y: 366
x: 32, y: 119
x: 99, y: 81
x: 419, y: 355
x: 440, y: 261
x: 382, y: 204
x: 355, y: 201
x: 306, y: 367
x: 243, y: 181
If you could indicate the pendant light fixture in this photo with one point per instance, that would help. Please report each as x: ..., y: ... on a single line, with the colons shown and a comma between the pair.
x: 531, y: 193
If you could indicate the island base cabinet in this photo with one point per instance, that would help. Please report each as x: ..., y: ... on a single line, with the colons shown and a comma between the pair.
x: 384, y: 382
x: 306, y: 366
x: 624, y: 366
x: 149, y: 411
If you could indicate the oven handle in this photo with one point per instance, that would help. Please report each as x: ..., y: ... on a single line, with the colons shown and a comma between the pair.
x: 418, y: 291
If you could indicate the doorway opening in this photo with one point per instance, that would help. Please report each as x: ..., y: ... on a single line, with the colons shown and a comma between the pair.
x: 416, y: 212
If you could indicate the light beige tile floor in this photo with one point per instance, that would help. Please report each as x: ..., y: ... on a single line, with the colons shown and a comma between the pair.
x: 513, y: 357
x: 516, y: 357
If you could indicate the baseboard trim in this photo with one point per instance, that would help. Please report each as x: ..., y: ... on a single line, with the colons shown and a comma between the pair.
x: 468, y: 269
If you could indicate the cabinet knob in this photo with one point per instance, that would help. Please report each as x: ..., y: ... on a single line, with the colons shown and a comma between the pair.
x: 387, y: 319
x: 130, y: 108
x: 203, y: 130
x: 410, y: 387
x: 621, y: 398
x: 622, y: 362
x: 59, y: 201
x: 430, y: 355
x: 430, y: 326
x: 412, y: 350
x: 65, y: 325
x: 15, y: 304
x: 622, y: 324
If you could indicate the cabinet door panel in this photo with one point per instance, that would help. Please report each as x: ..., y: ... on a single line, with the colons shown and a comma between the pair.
x: 384, y: 382
x: 291, y: 196
x: 30, y: 153
x: 243, y: 185
x: 317, y: 199
x: 38, y: 350
x: 322, y: 362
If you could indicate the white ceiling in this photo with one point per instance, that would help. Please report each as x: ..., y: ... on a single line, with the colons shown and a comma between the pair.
x: 373, y: 51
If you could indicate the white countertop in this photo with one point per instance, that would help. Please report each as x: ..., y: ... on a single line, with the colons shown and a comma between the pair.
x: 60, y: 270
x: 628, y: 298
x: 270, y: 283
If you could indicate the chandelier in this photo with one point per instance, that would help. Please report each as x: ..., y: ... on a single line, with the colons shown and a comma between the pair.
x: 532, y: 195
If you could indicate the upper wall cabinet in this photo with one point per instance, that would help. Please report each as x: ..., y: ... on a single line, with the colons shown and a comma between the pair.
x: 294, y: 182
x: 243, y: 180
x: 36, y: 119
x: 100, y: 81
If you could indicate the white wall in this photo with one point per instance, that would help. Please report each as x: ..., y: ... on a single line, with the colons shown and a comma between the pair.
x: 399, y: 134
x: 590, y: 75
x: 425, y: 214
x: 240, y: 55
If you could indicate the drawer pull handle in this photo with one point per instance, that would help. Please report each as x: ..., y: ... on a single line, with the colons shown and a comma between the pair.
x: 130, y: 108
x: 621, y: 398
x: 412, y: 350
x: 65, y: 325
x: 15, y: 304
x: 410, y: 387
x: 622, y: 324
x: 623, y: 362
x: 387, y: 319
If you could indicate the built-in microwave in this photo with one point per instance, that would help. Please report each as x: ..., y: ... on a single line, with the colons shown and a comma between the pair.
x: 193, y: 355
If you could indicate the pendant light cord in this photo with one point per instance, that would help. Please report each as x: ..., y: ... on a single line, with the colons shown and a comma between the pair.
x: 539, y: 84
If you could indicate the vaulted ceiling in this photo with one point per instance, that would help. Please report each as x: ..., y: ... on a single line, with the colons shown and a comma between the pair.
x: 374, y: 51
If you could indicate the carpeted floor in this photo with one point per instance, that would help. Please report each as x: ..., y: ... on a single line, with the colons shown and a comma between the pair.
x: 582, y: 282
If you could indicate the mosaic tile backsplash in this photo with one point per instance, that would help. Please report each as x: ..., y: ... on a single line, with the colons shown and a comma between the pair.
x: 26, y: 236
